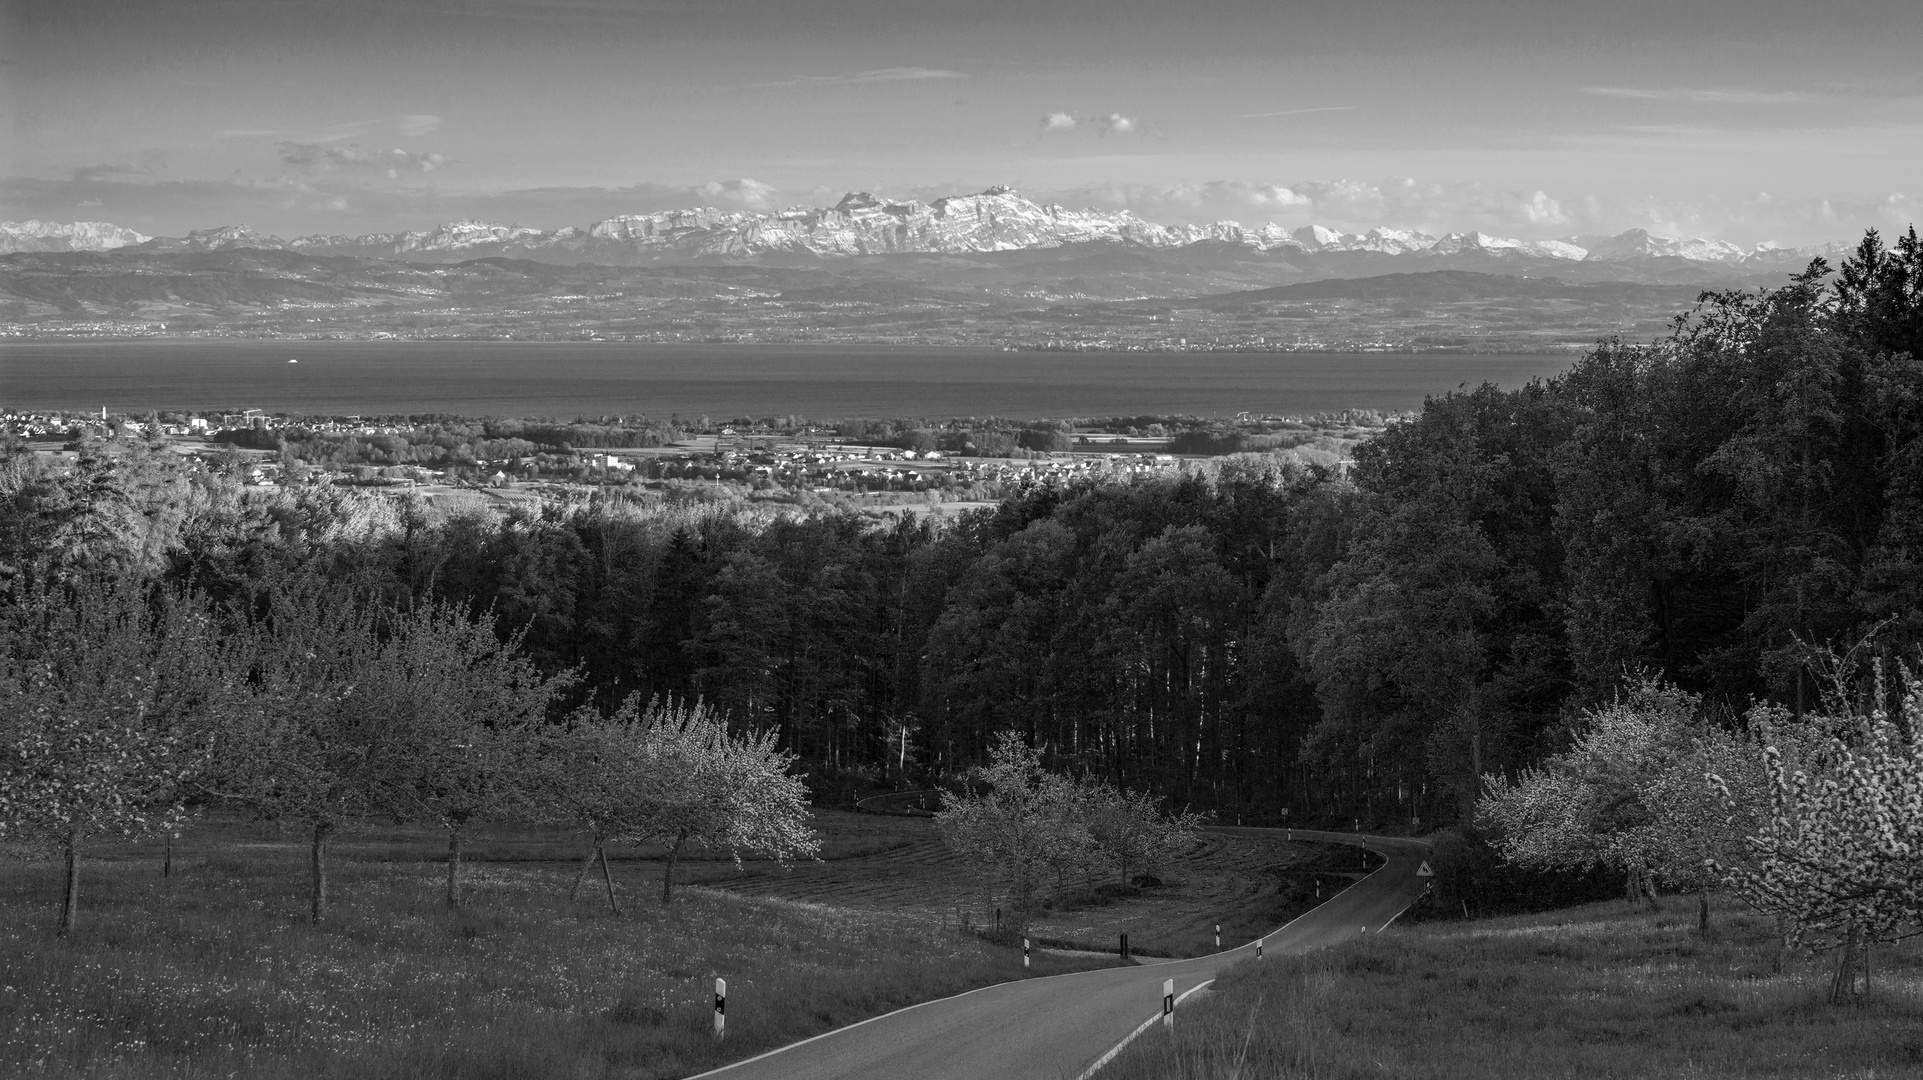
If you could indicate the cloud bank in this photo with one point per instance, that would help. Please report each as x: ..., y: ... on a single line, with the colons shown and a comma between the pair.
x: 1111, y: 124
x: 1437, y: 208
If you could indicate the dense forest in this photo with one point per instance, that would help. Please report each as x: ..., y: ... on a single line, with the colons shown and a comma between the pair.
x: 1257, y: 638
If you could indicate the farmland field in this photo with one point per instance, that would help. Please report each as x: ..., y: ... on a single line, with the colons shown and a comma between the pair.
x: 214, y: 971
x: 1249, y: 884
x: 1602, y: 991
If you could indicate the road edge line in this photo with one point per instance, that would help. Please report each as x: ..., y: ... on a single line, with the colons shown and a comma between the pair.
x: 1120, y: 1046
x: 1064, y: 975
x: 1143, y: 1026
x: 905, y: 1008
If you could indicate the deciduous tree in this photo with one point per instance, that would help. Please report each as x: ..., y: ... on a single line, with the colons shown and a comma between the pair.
x: 105, y: 696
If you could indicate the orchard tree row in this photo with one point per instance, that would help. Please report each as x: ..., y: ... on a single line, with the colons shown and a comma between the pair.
x: 1816, y: 820
x: 123, y: 706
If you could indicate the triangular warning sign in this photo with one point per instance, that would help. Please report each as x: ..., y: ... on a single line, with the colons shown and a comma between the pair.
x: 1424, y: 871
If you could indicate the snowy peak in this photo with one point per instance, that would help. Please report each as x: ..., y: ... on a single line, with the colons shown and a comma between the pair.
x: 231, y: 238
x: 1640, y: 244
x: 70, y: 236
x: 997, y: 219
x: 1317, y: 238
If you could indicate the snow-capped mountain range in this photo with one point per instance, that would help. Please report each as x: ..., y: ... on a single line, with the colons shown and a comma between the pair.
x: 995, y: 220
x: 72, y: 236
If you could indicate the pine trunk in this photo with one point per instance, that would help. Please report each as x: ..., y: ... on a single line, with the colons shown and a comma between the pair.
x: 70, y: 894
x: 318, y: 863
x: 454, y: 867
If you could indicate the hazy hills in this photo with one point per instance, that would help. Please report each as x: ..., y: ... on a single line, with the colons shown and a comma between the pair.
x: 1103, y: 296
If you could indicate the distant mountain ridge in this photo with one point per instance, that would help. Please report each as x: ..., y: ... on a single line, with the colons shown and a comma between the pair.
x: 864, y: 224
x: 68, y: 236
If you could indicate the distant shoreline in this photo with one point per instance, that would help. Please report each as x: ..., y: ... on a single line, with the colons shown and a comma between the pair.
x: 1547, y: 348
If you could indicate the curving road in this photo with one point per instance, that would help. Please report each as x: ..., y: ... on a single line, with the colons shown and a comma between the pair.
x: 1059, y: 1026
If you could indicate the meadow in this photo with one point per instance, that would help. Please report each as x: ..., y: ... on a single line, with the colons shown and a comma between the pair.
x: 213, y: 970
x: 1603, y: 990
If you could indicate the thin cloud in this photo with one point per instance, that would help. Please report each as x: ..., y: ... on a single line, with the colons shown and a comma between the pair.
x: 745, y: 192
x: 417, y: 124
x: 1702, y: 96
x: 353, y: 156
x: 1112, y: 124
x: 1297, y: 112
x: 862, y: 78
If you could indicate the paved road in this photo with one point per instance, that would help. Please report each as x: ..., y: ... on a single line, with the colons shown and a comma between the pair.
x: 1054, y: 1028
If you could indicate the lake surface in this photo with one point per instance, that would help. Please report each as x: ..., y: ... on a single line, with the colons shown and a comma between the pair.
x: 567, y: 380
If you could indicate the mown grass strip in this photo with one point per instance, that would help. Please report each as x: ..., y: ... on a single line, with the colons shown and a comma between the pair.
x: 214, y: 972
x: 1598, y: 991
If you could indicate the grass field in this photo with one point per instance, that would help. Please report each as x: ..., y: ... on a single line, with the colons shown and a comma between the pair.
x: 1248, y: 884
x: 213, y: 972
x: 1597, y: 991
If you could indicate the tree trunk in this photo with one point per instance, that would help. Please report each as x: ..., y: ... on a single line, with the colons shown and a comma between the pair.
x: 1843, y: 982
x: 454, y: 867
x: 70, y: 894
x: 1649, y: 891
x: 1702, y: 912
x: 667, y: 871
x: 167, y: 860
x: 587, y: 865
x: 607, y: 876
x: 318, y: 863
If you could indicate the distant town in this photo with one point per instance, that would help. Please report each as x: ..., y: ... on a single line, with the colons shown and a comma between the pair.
x: 951, y: 464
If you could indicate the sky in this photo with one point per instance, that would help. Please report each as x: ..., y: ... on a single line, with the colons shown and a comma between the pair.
x: 1744, y: 120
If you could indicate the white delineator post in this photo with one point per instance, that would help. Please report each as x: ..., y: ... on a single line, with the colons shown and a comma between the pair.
x: 1258, y: 948
x: 1218, y: 935
x: 720, y: 1007
x: 1024, y: 953
x: 1168, y: 1004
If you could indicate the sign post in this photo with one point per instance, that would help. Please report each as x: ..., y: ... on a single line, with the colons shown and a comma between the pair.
x: 720, y: 1008
x: 1218, y: 935
x: 1258, y: 948
x: 1024, y: 954
x: 1168, y: 1004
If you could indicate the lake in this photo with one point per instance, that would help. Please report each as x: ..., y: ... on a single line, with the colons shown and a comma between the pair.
x: 566, y: 380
